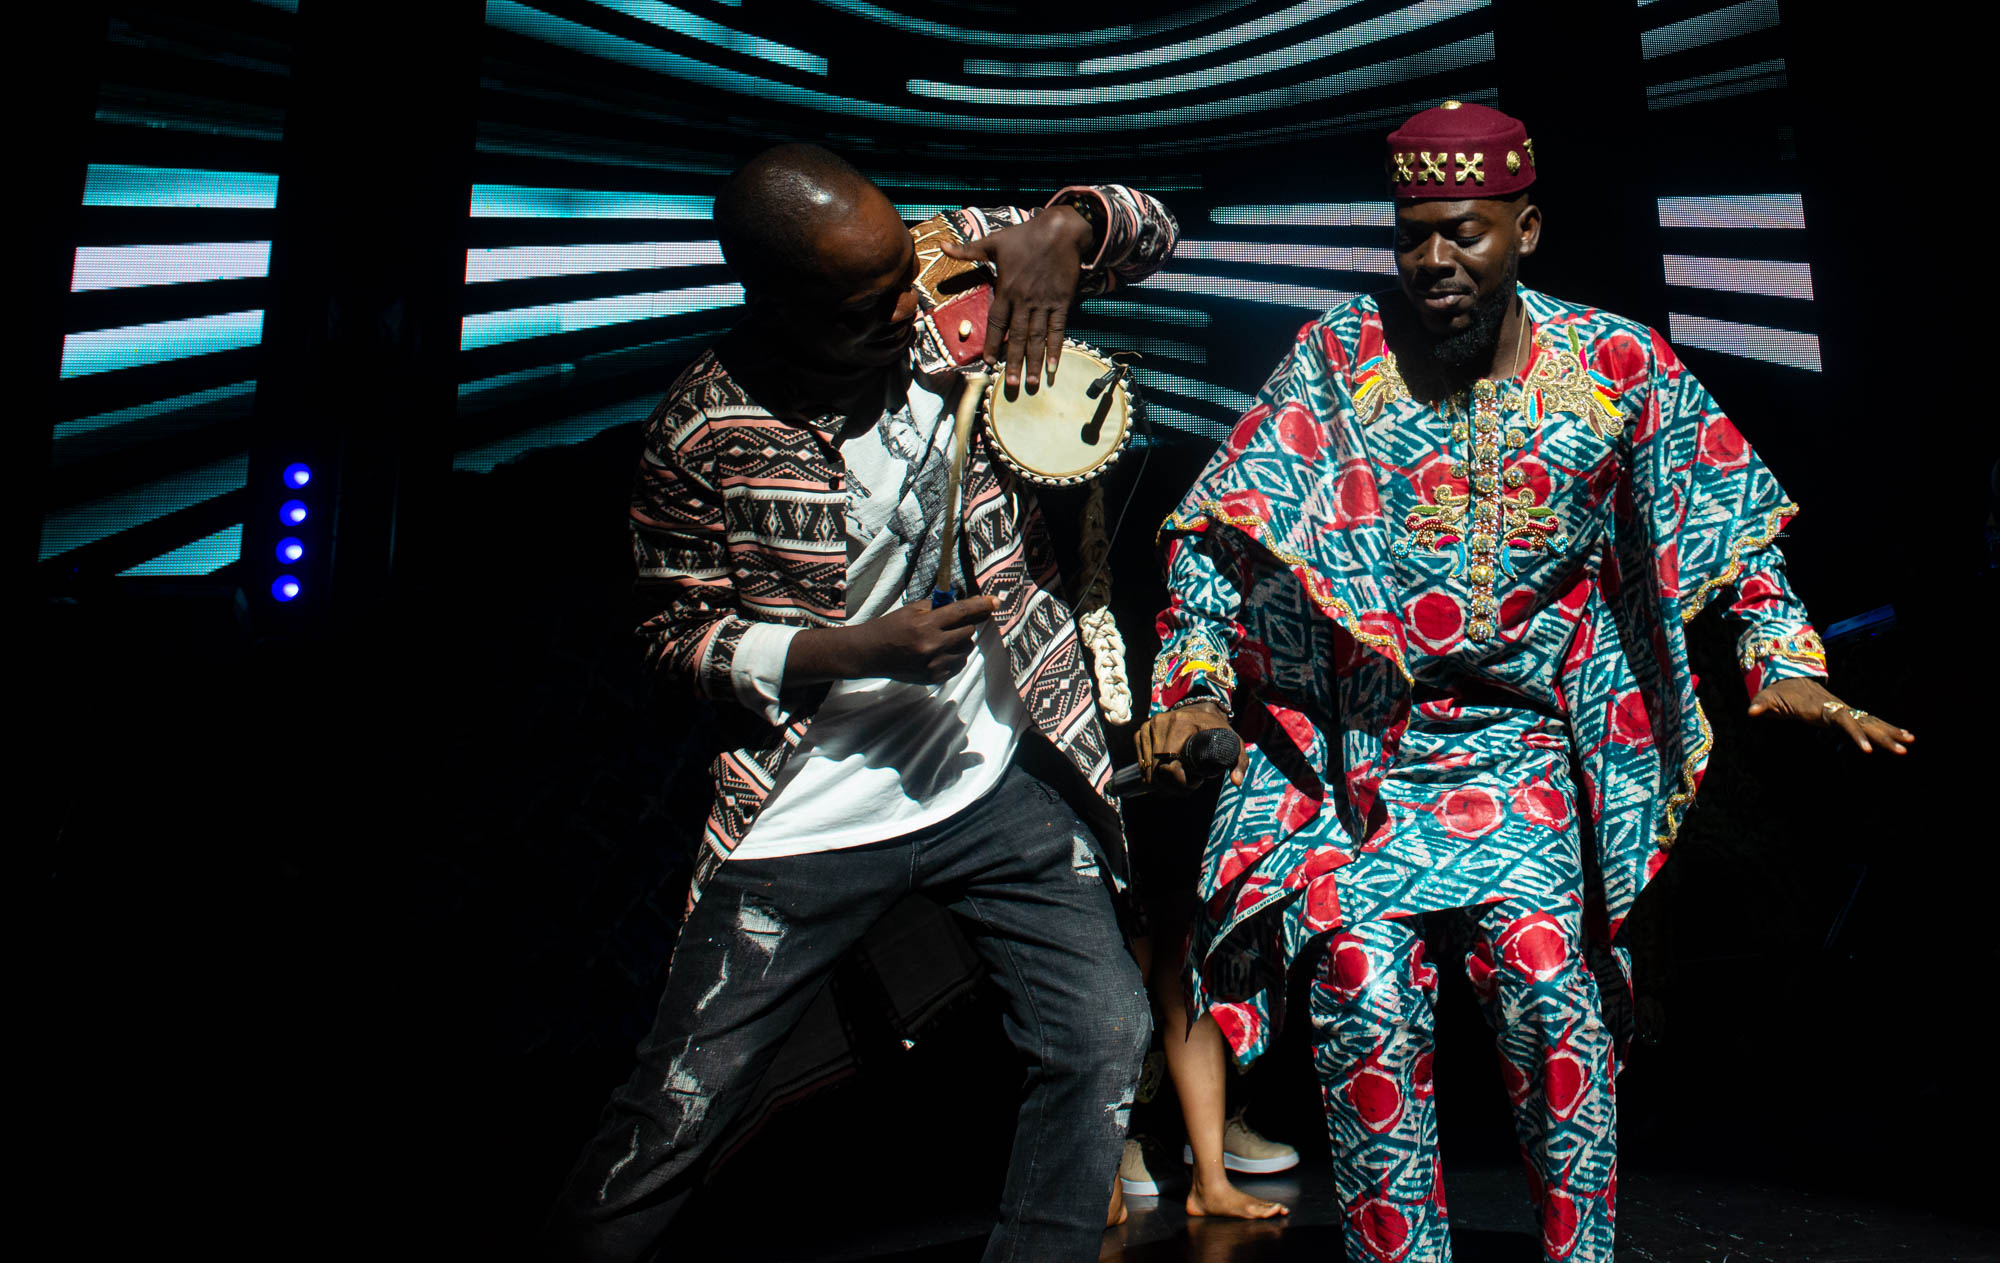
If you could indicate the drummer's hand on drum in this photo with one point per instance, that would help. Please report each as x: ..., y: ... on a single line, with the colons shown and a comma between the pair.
x: 1039, y: 265
x: 1166, y: 733
x: 915, y: 644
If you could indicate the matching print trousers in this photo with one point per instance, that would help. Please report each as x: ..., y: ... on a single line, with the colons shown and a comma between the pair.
x: 1372, y: 1017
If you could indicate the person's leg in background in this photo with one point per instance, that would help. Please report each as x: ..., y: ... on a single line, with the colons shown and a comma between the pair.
x: 1373, y: 1017
x: 1198, y: 1065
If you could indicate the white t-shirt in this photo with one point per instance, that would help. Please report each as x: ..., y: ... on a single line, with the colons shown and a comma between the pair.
x: 883, y: 758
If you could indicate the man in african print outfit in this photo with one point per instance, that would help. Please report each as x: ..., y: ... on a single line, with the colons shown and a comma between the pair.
x: 1438, y: 578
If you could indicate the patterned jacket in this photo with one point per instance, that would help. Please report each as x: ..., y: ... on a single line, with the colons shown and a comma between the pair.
x: 738, y: 516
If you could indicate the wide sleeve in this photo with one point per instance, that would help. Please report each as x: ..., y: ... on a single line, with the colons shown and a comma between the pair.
x: 1731, y: 513
x: 1198, y: 630
x: 685, y: 592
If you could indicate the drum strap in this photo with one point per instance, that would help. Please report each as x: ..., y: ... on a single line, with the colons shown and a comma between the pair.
x: 974, y: 389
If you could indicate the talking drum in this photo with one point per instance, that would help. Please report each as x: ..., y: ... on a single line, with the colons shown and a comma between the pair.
x: 1072, y: 429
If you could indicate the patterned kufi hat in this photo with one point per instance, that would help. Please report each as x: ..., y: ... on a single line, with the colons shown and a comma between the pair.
x: 1461, y: 150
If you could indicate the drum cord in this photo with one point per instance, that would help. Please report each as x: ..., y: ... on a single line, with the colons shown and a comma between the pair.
x: 1138, y: 480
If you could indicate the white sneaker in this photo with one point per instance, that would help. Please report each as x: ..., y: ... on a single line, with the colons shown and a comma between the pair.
x: 1246, y: 1151
x: 1132, y: 1173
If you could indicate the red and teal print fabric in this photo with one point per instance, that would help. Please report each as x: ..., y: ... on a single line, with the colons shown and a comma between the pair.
x: 1423, y: 617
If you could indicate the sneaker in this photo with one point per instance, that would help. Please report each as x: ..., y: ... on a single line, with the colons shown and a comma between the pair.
x: 1133, y: 1175
x: 1246, y: 1151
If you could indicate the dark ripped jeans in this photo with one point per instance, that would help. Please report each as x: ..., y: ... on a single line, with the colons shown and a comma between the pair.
x: 1018, y: 869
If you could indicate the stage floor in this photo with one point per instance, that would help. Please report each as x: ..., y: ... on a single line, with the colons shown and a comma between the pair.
x: 1662, y: 1219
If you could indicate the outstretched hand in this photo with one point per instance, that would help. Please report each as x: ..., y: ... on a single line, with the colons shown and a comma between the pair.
x: 1806, y: 700
x: 1038, y: 265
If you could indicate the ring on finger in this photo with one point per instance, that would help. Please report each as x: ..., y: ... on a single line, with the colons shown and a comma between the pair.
x: 1858, y: 715
x: 1833, y: 708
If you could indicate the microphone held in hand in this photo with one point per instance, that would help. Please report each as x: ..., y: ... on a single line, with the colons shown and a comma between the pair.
x: 1210, y: 752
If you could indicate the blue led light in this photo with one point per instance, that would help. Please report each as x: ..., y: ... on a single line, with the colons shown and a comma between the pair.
x: 284, y: 588
x: 292, y: 512
x: 290, y: 549
x: 298, y: 474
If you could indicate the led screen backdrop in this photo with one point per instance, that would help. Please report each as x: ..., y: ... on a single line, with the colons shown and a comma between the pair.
x: 605, y: 126
x: 591, y: 274
x: 150, y: 444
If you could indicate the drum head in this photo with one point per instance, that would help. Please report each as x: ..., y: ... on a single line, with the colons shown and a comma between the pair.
x: 1060, y: 436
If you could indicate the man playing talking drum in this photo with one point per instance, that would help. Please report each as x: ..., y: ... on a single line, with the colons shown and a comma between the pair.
x: 788, y: 521
x: 1439, y: 579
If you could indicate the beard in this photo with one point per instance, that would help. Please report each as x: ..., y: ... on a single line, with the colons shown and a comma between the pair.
x: 1472, y: 348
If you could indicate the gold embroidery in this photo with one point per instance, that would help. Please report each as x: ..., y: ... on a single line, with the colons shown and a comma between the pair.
x: 1804, y: 647
x: 1488, y: 525
x: 1677, y: 803
x: 1473, y: 166
x: 1513, y: 162
x: 1563, y: 382
x: 1403, y: 172
x: 1774, y: 521
x: 1433, y: 166
x: 1377, y: 384
x: 1528, y: 147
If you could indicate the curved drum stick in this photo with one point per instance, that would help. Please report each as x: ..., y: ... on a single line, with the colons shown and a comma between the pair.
x: 970, y: 395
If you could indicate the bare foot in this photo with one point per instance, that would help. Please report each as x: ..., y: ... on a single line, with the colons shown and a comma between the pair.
x: 1224, y: 1200
x: 1116, y: 1215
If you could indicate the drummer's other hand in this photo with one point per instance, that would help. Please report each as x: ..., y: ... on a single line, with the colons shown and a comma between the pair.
x: 1160, y: 740
x: 1039, y: 264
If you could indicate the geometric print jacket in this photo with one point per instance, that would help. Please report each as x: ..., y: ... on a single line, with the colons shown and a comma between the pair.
x: 738, y: 516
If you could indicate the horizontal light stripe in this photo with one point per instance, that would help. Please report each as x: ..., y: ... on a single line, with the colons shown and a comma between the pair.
x: 1709, y: 28
x: 1882, y: 617
x: 1166, y: 348
x: 1031, y: 39
x: 492, y: 328
x: 520, y: 263
x: 204, y: 556
x: 1289, y: 57
x: 516, y: 201
x: 235, y: 398
x: 1152, y: 313
x: 1755, y: 342
x: 114, y: 185
x: 1752, y: 210
x: 1765, y: 76
x: 1740, y: 276
x: 1311, y: 215
x: 1175, y: 419
x: 67, y: 529
x: 1275, y: 254
x: 124, y: 267
x: 580, y: 428
x: 1310, y: 299
x: 681, y: 22
x: 103, y: 350
x: 1207, y: 392
x: 917, y: 212
x: 1283, y: 20
x: 535, y: 24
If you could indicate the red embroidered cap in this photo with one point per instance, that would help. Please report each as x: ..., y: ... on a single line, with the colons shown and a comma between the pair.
x: 1461, y: 150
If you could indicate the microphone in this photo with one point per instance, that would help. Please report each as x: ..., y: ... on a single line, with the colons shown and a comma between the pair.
x: 1210, y: 752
